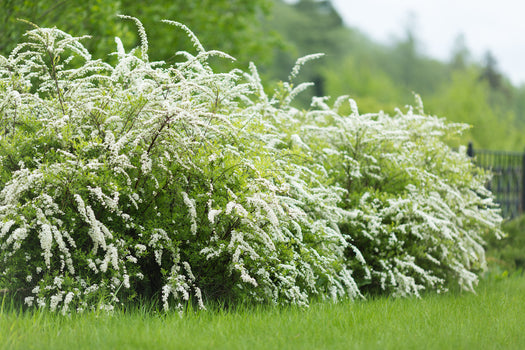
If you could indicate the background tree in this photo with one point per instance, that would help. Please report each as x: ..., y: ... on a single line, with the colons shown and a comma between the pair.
x: 466, y: 99
x: 381, y: 77
x: 370, y: 86
x: 232, y: 26
x: 307, y: 27
x: 94, y: 17
x: 460, y: 55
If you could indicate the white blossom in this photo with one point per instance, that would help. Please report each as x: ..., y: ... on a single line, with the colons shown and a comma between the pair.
x: 152, y: 161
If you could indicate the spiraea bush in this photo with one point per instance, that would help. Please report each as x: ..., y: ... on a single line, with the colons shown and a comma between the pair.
x: 185, y: 184
x: 419, y: 210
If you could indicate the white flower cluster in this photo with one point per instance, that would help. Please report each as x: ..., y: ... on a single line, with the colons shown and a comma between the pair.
x: 419, y: 209
x: 144, y: 178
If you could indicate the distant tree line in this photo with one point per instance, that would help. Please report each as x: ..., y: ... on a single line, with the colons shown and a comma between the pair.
x: 386, y: 76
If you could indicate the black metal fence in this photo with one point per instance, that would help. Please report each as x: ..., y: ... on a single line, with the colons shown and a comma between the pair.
x: 508, y: 179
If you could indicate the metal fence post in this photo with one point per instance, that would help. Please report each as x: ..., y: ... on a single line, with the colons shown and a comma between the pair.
x: 522, y: 206
x: 470, y: 149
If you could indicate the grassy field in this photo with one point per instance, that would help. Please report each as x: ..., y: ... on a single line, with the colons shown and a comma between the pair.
x: 492, y: 319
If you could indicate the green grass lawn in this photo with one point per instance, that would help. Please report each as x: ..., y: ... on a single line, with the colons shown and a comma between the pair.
x: 492, y: 319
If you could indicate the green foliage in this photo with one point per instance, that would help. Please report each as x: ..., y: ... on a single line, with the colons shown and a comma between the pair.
x: 467, y: 100
x: 509, y: 253
x: 228, y: 25
x: 306, y: 27
x: 93, y: 17
x: 371, y: 88
x: 231, y: 26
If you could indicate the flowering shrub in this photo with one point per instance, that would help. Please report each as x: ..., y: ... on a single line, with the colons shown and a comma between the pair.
x: 419, y: 209
x: 187, y: 184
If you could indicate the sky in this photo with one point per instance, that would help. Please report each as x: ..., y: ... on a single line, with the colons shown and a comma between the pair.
x: 498, y: 26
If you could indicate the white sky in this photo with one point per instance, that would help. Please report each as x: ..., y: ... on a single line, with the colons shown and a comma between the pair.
x: 498, y: 26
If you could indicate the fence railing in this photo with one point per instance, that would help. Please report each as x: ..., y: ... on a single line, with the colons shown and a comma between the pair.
x: 508, y: 179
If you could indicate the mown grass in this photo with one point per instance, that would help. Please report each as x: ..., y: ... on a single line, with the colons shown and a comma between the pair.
x: 492, y: 319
